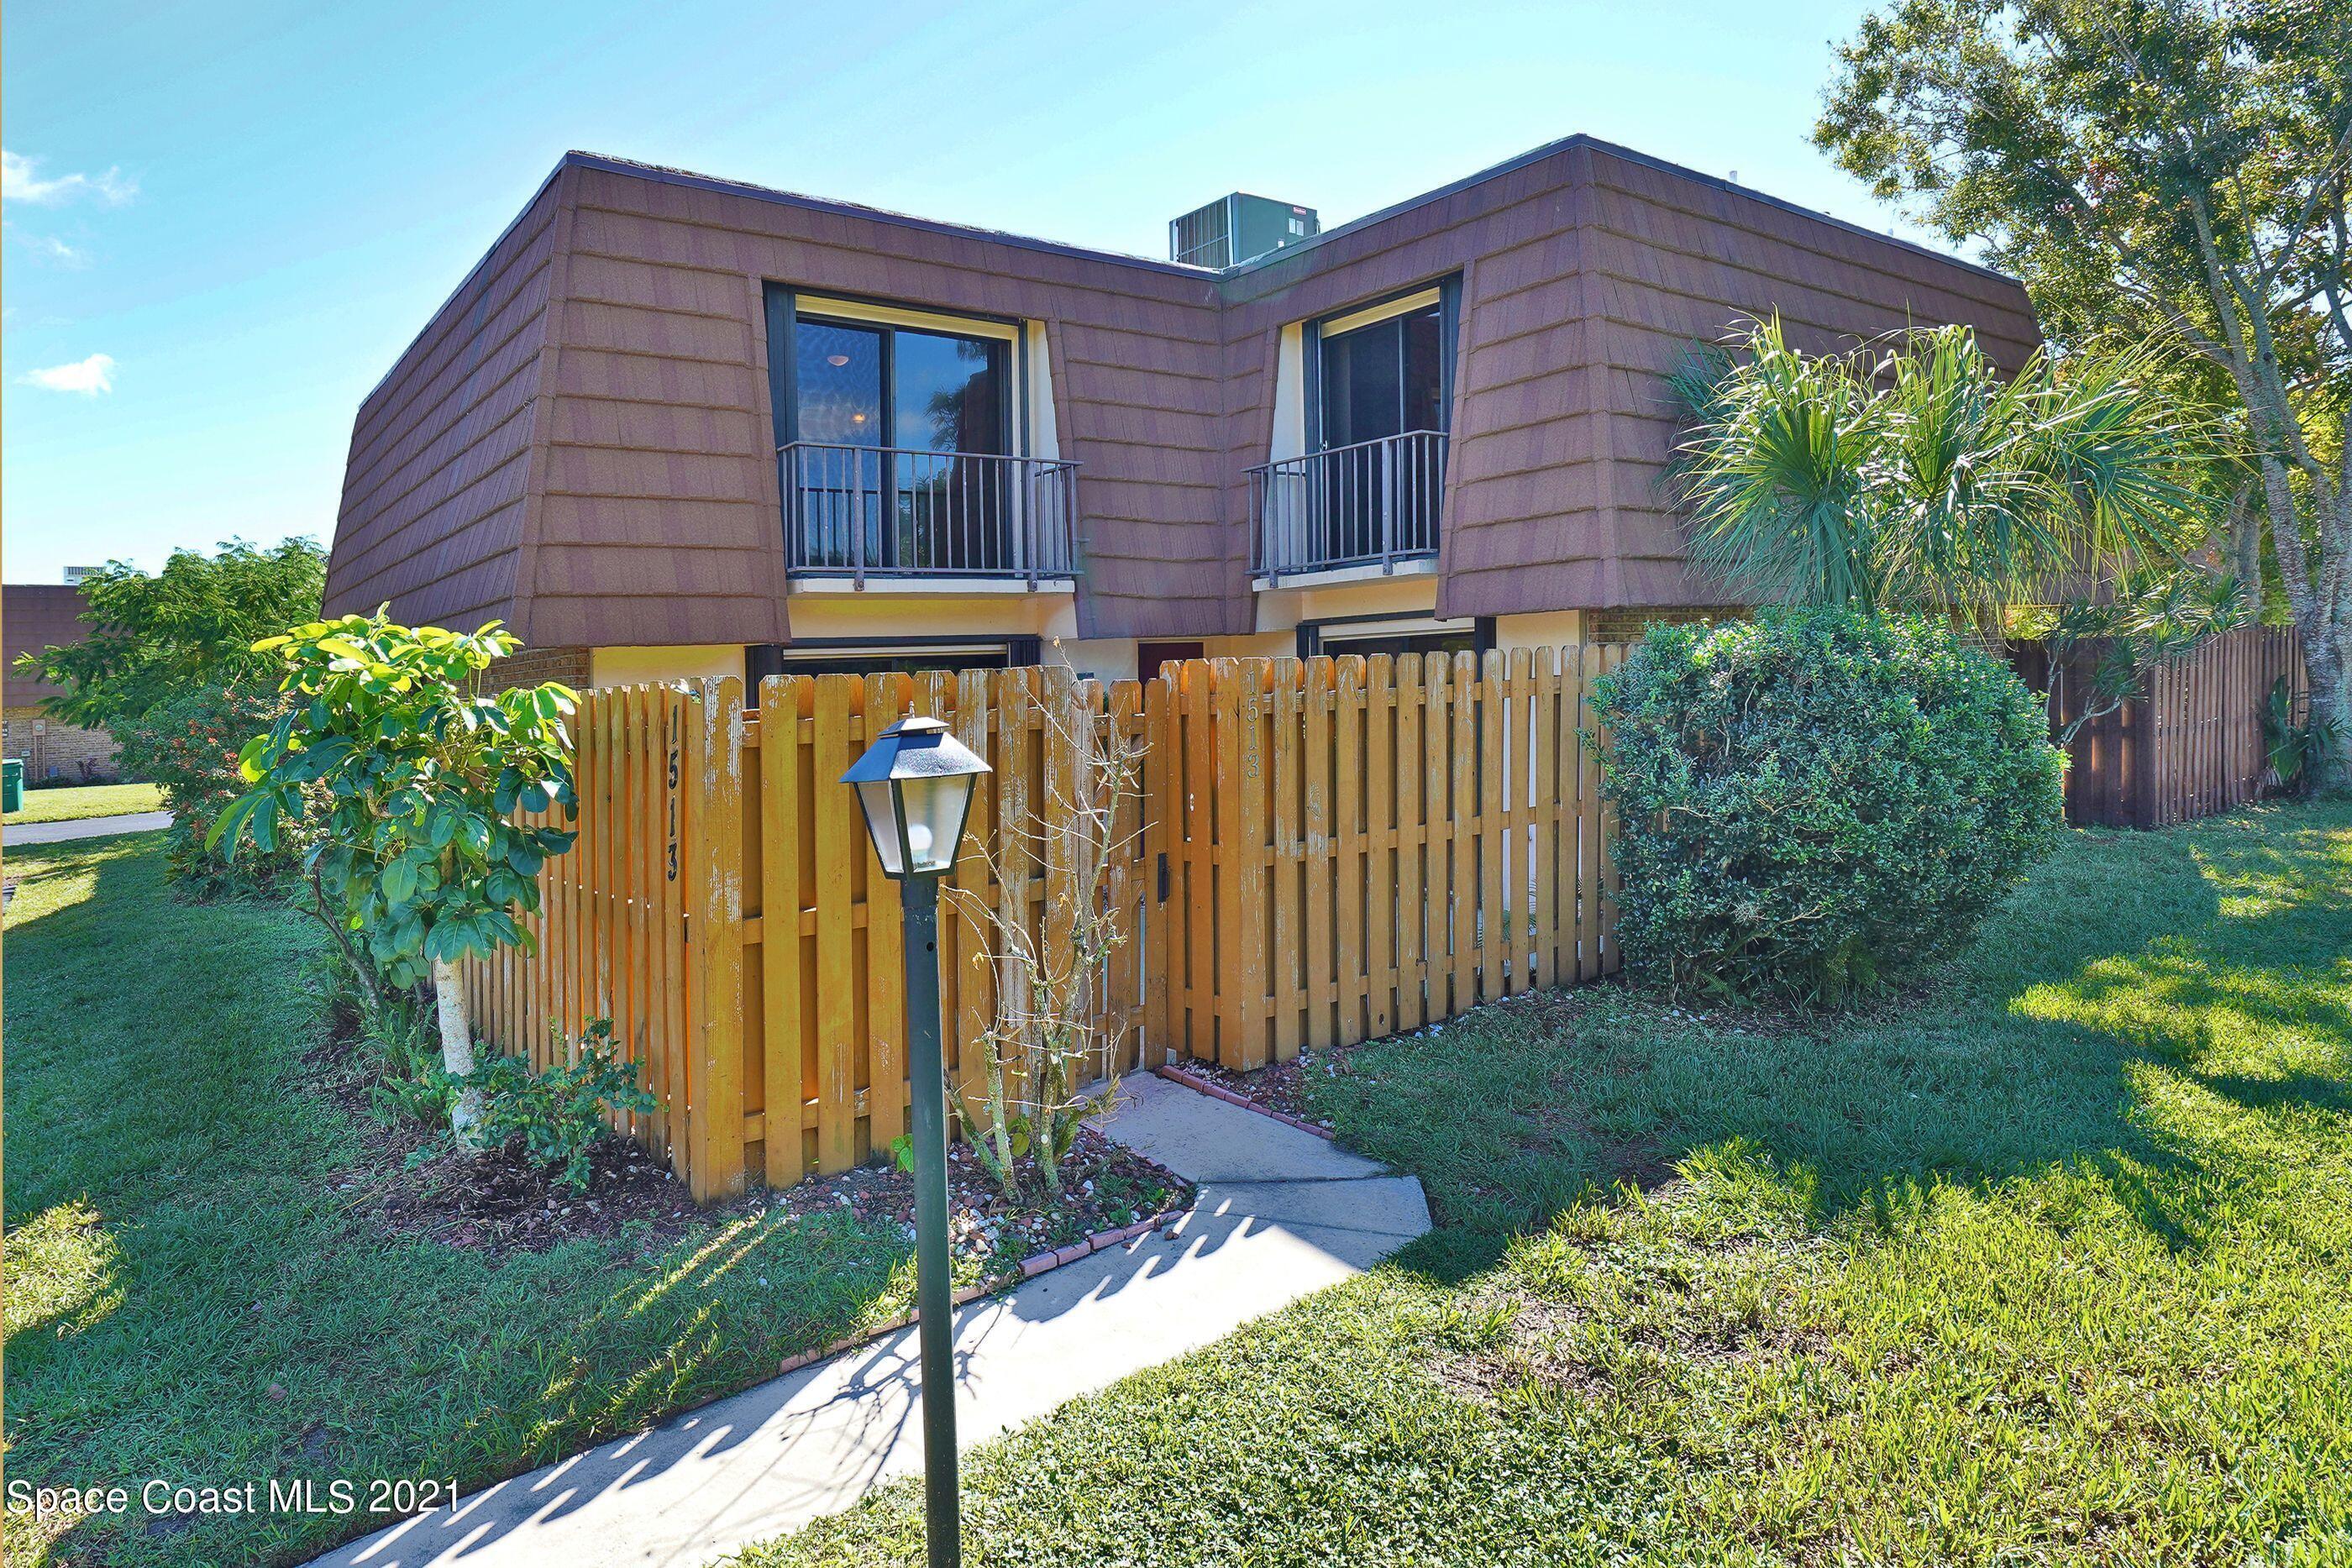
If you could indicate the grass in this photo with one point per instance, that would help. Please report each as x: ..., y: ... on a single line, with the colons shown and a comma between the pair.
x: 74, y: 802
x: 2051, y: 1263
x: 193, y: 1294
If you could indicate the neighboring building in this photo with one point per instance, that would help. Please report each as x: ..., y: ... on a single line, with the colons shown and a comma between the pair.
x: 35, y: 615
x: 675, y: 426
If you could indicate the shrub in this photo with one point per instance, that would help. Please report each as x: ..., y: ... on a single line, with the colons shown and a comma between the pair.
x: 557, y: 1115
x: 187, y: 745
x: 1815, y: 802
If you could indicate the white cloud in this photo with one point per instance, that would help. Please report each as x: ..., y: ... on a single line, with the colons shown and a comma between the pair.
x: 21, y: 181
x: 89, y: 377
x: 56, y: 250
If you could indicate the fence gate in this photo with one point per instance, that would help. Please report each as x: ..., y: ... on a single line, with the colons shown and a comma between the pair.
x: 1344, y: 847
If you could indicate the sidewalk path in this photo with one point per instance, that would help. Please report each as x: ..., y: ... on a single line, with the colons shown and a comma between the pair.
x: 1281, y: 1214
x: 83, y: 828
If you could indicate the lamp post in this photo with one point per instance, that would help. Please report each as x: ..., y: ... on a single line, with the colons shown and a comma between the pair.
x: 915, y: 786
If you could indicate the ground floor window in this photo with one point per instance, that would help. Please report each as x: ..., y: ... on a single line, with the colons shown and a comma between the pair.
x: 833, y: 658
x: 1396, y: 635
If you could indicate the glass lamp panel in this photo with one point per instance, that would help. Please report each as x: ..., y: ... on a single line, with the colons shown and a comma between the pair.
x: 935, y: 809
x: 882, y: 823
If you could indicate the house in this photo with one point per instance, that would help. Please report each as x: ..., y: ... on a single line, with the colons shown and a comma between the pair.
x: 33, y: 616
x: 674, y: 426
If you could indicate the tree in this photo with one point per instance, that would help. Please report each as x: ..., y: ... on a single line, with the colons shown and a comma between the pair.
x: 421, y: 860
x: 1914, y: 474
x: 191, y: 627
x: 168, y: 669
x: 2171, y: 169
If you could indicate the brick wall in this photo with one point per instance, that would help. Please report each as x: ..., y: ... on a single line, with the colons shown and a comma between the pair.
x: 537, y: 666
x: 1627, y: 625
x: 49, y: 749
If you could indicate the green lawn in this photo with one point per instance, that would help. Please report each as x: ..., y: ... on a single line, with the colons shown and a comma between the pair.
x: 2053, y: 1264
x: 73, y: 803
x: 193, y: 1295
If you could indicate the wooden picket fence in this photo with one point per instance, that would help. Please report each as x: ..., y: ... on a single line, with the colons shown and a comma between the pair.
x: 1320, y: 851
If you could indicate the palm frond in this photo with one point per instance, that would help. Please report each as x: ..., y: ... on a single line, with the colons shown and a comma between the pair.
x: 1921, y: 476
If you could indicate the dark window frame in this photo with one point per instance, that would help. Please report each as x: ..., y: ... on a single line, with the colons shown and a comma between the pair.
x: 761, y: 660
x: 1311, y: 641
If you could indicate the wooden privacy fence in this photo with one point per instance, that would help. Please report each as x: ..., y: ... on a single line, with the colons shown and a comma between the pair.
x: 1346, y: 847
x: 2188, y: 744
x: 724, y: 908
x: 1319, y: 851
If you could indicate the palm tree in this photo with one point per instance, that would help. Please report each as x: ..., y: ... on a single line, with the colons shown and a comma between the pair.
x: 1916, y: 475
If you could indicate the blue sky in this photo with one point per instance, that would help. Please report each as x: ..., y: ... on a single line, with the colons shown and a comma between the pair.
x: 223, y: 222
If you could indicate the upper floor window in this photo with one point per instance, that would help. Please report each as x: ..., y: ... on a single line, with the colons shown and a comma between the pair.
x: 1368, y: 482
x: 1385, y: 376
x: 901, y: 438
x: 870, y: 384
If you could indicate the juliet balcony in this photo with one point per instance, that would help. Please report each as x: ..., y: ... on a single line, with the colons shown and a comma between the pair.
x: 857, y: 513
x: 1370, y: 504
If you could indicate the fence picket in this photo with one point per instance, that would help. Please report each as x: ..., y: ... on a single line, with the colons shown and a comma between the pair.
x: 1347, y: 820
x: 1462, y: 798
x: 1380, y: 844
x: 975, y: 976
x: 1495, y: 906
x: 1544, y: 814
x: 1200, y: 907
x: 1316, y: 701
x: 1285, y: 863
x: 886, y: 981
x: 783, y: 984
x: 1412, y: 833
x: 840, y: 840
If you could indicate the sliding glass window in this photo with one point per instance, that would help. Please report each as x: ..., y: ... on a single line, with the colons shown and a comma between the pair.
x: 900, y: 435
x: 1380, y: 418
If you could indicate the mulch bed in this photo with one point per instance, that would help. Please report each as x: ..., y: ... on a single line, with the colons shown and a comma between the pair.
x: 1279, y: 1086
x: 1105, y: 1186
x: 412, y: 1183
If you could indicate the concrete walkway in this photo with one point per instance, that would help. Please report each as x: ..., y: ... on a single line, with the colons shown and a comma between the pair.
x: 83, y: 828
x: 1281, y: 1214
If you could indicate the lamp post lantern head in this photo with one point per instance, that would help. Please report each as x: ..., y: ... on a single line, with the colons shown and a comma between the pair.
x: 915, y: 785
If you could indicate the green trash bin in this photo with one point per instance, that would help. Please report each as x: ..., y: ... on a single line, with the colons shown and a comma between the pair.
x: 12, y: 784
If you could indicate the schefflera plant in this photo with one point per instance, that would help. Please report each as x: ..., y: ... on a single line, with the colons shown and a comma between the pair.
x: 419, y: 862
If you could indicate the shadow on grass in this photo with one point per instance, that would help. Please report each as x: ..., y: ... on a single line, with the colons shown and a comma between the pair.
x: 853, y: 1410
x: 2131, y: 968
x: 214, y: 1306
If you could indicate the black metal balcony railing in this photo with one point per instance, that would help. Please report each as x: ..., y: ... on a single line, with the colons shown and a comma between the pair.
x: 894, y: 511
x: 1372, y: 503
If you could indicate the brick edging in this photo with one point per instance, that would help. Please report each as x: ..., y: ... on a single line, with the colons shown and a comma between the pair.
x: 1029, y: 1268
x: 1218, y: 1092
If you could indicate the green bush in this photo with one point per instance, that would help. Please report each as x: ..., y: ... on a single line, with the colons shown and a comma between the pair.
x: 557, y: 1115
x: 1813, y: 804
x: 187, y: 745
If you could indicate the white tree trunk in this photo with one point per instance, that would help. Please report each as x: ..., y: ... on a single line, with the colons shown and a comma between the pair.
x: 456, y: 1051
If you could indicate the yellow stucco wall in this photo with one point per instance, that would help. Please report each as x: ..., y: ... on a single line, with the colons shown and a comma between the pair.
x: 646, y: 666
